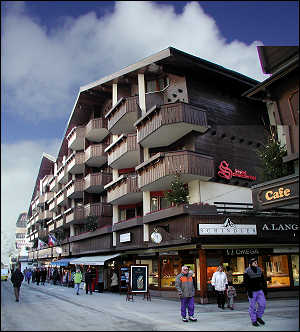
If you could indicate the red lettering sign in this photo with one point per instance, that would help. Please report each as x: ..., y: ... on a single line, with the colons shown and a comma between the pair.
x: 226, y: 173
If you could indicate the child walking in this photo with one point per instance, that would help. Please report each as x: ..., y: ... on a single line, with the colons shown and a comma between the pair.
x: 231, y: 293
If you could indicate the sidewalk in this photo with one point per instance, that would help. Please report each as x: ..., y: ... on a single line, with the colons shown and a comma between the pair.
x: 280, y: 314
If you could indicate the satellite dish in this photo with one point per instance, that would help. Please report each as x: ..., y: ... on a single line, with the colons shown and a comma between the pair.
x: 58, y: 250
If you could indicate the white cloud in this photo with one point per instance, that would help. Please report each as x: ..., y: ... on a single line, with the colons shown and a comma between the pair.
x: 20, y: 163
x: 43, y: 70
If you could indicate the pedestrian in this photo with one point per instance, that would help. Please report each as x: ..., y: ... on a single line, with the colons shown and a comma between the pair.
x: 88, y: 278
x: 17, y: 278
x: 256, y: 288
x: 219, y: 283
x: 28, y: 276
x: 33, y: 275
x: 43, y: 275
x: 186, y: 291
x: 231, y: 294
x: 77, y: 280
x: 55, y: 276
x: 38, y: 276
x: 229, y: 275
x: 114, y: 281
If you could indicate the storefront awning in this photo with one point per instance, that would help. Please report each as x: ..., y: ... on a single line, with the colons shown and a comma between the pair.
x: 62, y: 262
x: 93, y: 260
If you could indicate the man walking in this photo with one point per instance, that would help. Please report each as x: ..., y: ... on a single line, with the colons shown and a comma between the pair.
x: 186, y: 290
x: 257, y: 289
x: 88, y: 281
x: 77, y: 280
x: 17, y: 278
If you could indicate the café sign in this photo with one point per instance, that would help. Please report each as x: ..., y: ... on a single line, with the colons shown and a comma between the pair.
x: 228, y: 228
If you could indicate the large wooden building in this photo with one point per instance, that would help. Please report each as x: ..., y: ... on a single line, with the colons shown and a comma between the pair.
x: 128, y: 136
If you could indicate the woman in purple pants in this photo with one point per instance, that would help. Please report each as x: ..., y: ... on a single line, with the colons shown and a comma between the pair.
x: 257, y: 290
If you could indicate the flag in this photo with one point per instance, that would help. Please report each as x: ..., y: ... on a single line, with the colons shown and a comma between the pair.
x: 41, y: 244
x: 51, y: 240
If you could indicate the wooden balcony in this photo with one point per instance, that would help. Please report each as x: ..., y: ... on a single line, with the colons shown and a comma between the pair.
x: 124, y: 152
x: 47, y: 215
x: 75, y: 215
x: 51, y: 226
x: 158, y: 172
x: 121, y: 117
x: 40, y: 200
x: 165, y: 124
x: 96, y: 130
x: 48, y: 195
x: 124, y: 190
x: 95, y: 155
x: 75, y: 163
x: 62, y: 175
x: 61, y: 197
x: 75, y: 189
x: 34, y: 204
x: 53, y: 184
x: 98, y: 210
x: 76, y: 138
x: 95, y: 182
x: 53, y: 205
x: 43, y: 233
x: 59, y: 221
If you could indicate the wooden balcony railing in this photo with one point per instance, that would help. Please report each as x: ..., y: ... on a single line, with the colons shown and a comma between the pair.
x: 96, y: 130
x: 122, y: 116
x: 124, y: 152
x: 95, y: 155
x: 98, y: 210
x: 53, y: 184
x: 163, y: 125
x: 61, y: 197
x: 74, y: 215
x: 75, y: 163
x: 158, y: 172
x: 95, y: 182
x: 76, y: 138
x: 124, y: 190
x: 75, y: 188
x: 62, y: 175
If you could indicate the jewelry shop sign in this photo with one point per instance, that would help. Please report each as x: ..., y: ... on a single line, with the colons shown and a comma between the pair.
x: 228, y: 228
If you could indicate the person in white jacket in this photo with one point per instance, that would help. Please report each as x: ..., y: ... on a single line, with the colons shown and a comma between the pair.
x: 219, y: 283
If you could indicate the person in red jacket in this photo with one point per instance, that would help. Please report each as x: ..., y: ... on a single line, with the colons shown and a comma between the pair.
x: 186, y: 290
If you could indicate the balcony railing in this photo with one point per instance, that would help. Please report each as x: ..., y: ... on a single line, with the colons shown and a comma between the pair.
x: 164, y: 125
x: 47, y: 215
x: 95, y: 155
x: 61, y: 197
x: 48, y: 195
x: 53, y: 205
x: 59, y: 221
x: 96, y: 130
x: 62, y: 175
x: 41, y: 200
x: 95, y: 182
x: 51, y: 226
x: 124, y: 190
x: 43, y: 233
x: 75, y: 189
x: 75, y: 163
x: 158, y: 172
x: 124, y: 152
x: 76, y: 138
x: 53, y: 184
x: 122, y: 116
x: 75, y: 215
x: 98, y: 210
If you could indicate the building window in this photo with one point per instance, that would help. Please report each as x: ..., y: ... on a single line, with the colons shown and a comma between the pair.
x: 157, y: 85
x: 295, y: 269
x: 158, y: 202
x: 277, y: 271
x: 170, y: 268
x: 237, y: 264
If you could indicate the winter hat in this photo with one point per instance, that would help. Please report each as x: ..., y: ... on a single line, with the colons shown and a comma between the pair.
x: 252, y: 260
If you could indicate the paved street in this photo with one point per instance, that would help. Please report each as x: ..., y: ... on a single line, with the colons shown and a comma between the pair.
x: 56, y: 308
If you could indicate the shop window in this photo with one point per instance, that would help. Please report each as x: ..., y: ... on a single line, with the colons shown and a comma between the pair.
x: 295, y: 269
x: 237, y: 265
x: 170, y: 268
x: 277, y: 271
x: 152, y: 270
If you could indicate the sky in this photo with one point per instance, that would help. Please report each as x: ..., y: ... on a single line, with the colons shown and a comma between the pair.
x: 49, y: 49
